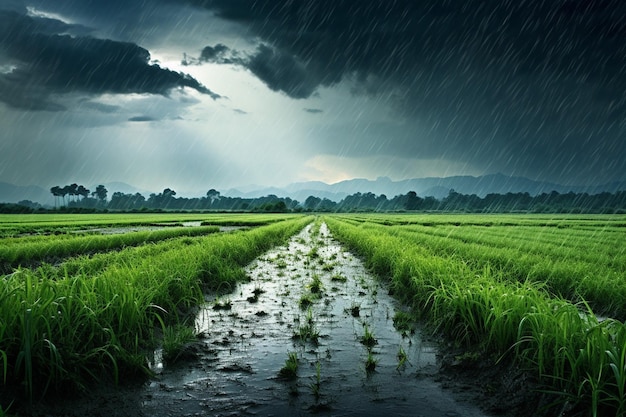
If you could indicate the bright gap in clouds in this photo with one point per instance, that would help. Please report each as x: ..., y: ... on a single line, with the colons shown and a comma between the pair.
x: 332, y: 169
x: 33, y: 12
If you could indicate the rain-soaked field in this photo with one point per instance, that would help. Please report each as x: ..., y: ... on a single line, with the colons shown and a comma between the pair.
x: 341, y: 315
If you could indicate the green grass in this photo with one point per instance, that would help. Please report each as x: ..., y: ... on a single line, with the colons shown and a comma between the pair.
x: 61, y: 329
x: 402, y: 358
x: 368, y: 338
x: 15, y: 251
x: 290, y: 370
x: 370, y: 362
x: 175, y: 339
x: 307, y: 330
x: 488, y: 306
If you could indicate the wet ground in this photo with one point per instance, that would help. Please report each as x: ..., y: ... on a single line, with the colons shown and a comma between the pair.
x: 315, y: 302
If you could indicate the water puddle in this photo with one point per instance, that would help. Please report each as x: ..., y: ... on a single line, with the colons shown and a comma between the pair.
x: 315, y: 302
x: 149, y: 228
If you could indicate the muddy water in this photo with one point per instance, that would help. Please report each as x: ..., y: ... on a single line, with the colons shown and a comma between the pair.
x: 247, y: 339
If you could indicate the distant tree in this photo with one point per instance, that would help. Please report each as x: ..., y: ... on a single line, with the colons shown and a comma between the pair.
x: 413, y: 202
x: 56, y: 192
x: 312, y: 203
x: 29, y: 204
x: 213, y: 194
x: 100, y: 193
x: 72, y: 189
x: 82, y: 191
x: 65, y: 191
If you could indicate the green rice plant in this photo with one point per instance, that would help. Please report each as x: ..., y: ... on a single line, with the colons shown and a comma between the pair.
x: 70, y: 245
x: 290, y: 370
x: 402, y: 358
x: 73, y: 328
x: 175, y: 339
x: 313, y: 253
x: 316, y: 286
x: 403, y: 322
x: 305, y: 301
x: 339, y: 278
x: 478, y: 306
x: 370, y: 362
x: 327, y: 267
x: 317, y: 383
x: 368, y: 338
x: 307, y: 331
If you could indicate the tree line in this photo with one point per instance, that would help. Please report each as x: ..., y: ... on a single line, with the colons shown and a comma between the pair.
x: 99, y: 195
x: 81, y: 199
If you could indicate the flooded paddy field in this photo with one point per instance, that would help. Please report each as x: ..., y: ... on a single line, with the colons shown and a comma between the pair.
x: 316, y: 302
x: 312, y: 332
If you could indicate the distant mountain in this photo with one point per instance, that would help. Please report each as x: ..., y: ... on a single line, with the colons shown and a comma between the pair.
x: 437, y: 187
x: 122, y: 187
x: 10, y: 193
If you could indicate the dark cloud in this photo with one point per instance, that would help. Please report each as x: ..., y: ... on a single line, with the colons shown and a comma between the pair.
x: 46, y: 63
x: 141, y: 119
x: 215, y: 54
x: 536, y: 84
x: 282, y: 72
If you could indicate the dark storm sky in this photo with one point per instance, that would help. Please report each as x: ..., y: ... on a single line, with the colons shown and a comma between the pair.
x: 199, y: 94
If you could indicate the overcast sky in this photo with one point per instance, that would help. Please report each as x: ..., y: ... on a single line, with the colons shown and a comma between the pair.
x: 200, y: 94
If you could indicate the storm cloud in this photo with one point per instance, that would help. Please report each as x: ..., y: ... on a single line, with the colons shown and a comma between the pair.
x: 519, y: 82
x: 46, y: 60
x: 343, y: 88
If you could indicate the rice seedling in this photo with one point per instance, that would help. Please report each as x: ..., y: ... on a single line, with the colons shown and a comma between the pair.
x: 368, y: 338
x: 338, y: 278
x: 490, y: 309
x: 370, y: 362
x: 313, y: 253
x: 175, y: 339
x: 290, y: 370
x: 306, y: 300
x: 402, y: 358
x: 307, y: 331
x: 317, y: 383
x: 316, y: 285
x: 62, y: 329
x: 327, y: 267
x: 403, y: 322
x: 52, y: 247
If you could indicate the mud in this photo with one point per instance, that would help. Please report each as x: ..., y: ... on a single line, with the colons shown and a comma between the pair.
x: 247, y: 336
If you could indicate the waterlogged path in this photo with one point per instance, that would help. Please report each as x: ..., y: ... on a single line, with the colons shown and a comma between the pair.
x: 316, y: 301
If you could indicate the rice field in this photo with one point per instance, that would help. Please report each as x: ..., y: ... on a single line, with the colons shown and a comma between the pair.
x: 544, y: 292
x: 547, y: 293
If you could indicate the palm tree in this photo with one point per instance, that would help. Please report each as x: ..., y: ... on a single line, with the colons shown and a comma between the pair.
x: 72, y: 189
x: 100, y: 193
x: 56, y: 192
x: 81, y: 190
x: 64, y: 191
